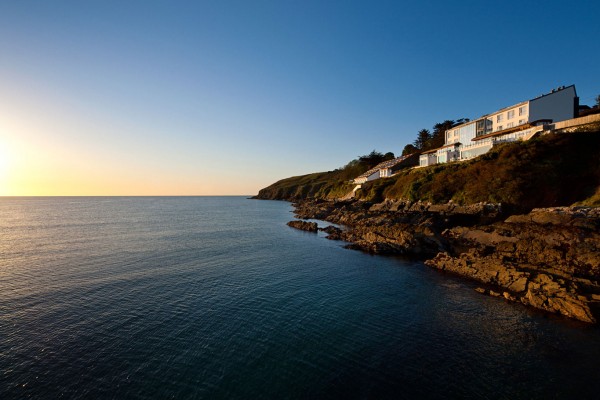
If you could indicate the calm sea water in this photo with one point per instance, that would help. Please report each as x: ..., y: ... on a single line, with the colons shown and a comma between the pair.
x: 208, y: 297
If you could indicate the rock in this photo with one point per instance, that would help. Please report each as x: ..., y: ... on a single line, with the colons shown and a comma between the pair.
x: 519, y: 285
x: 508, y: 296
x: 548, y: 259
x: 333, y: 233
x: 304, y: 225
x: 330, y: 229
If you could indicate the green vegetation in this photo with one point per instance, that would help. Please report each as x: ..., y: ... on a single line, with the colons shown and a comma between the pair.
x: 326, y: 185
x: 317, y: 185
x: 552, y: 170
x: 427, y: 140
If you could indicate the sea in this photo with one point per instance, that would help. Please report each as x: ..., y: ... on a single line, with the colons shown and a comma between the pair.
x: 216, y: 298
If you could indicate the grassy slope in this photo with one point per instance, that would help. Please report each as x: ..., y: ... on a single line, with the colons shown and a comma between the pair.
x: 553, y: 170
x: 327, y: 185
x: 317, y: 185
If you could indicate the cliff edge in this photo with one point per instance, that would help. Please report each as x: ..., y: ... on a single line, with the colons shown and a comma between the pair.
x: 522, y: 220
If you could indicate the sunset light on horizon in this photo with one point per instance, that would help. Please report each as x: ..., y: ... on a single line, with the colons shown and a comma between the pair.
x: 203, y: 98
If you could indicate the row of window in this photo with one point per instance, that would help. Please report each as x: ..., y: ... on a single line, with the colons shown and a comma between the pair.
x: 485, y: 126
x: 510, y: 125
x: 511, y: 114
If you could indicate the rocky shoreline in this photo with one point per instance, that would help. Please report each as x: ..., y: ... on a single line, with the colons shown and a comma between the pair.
x: 548, y: 259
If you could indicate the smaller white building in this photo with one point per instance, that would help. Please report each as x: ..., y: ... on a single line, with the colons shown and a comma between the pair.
x: 428, y: 158
x: 386, y: 168
x: 370, y: 175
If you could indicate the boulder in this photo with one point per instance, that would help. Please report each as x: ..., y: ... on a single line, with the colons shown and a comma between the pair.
x: 304, y: 226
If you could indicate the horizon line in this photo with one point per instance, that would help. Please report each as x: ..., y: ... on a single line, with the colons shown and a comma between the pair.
x: 131, y: 195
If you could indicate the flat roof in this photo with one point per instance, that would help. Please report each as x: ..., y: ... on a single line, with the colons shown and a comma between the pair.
x: 450, y: 145
x: 429, y: 151
x: 441, y: 147
x: 559, y: 89
x: 503, y: 132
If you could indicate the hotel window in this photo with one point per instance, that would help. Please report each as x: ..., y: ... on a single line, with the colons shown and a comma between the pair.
x: 522, y: 110
x: 521, y: 121
x: 499, y: 118
x: 511, y: 114
x: 510, y: 125
x: 499, y: 128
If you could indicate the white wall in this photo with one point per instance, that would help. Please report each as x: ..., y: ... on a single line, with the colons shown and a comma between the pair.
x: 510, y: 117
x: 475, y: 149
x: 427, y: 159
x: 373, y: 176
x: 463, y: 133
x: 557, y: 106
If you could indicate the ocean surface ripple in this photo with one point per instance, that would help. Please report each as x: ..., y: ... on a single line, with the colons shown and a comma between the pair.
x: 215, y: 297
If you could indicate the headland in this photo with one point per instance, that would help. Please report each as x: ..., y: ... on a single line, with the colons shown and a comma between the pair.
x: 522, y: 220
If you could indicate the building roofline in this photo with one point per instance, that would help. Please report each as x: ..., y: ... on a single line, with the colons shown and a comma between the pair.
x: 503, y: 132
x: 383, y: 165
x: 441, y: 147
x: 515, y: 105
x: 450, y: 145
x: 559, y: 89
x: 429, y: 151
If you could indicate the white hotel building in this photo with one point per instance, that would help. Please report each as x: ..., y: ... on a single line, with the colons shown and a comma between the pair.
x: 518, y: 122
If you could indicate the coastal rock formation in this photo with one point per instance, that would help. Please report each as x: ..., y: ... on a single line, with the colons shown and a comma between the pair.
x: 548, y: 259
x: 332, y: 232
x: 304, y: 226
x: 406, y: 228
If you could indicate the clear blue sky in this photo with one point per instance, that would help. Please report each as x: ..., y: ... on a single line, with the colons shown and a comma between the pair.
x: 226, y: 97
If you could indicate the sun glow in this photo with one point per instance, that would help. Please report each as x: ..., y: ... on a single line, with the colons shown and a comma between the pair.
x: 5, y: 160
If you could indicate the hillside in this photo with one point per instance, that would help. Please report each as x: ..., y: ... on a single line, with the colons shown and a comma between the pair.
x: 552, y: 170
x: 323, y: 185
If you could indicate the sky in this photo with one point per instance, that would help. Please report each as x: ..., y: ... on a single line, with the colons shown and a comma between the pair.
x: 226, y: 97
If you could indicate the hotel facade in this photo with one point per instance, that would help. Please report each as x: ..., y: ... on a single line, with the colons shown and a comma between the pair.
x: 518, y: 122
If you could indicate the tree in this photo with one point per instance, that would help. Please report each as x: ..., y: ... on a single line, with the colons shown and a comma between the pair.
x: 438, y: 137
x: 423, y: 138
x: 409, y: 149
x: 375, y: 158
x: 598, y: 101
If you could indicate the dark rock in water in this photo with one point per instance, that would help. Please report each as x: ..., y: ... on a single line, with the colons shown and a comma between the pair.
x: 548, y: 259
x: 333, y: 233
x: 330, y: 229
x: 304, y: 225
x: 392, y: 227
